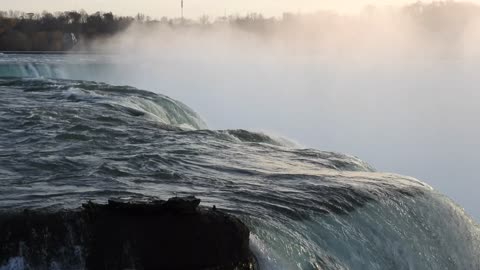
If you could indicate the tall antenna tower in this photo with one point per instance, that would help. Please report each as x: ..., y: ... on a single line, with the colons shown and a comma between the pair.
x: 181, y: 5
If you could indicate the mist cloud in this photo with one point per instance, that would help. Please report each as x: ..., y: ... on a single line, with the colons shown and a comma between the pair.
x: 396, y: 87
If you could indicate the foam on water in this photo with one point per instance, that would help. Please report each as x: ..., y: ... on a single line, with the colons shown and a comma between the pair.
x: 16, y: 263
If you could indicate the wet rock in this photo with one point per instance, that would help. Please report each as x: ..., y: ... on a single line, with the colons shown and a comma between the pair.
x: 173, y: 234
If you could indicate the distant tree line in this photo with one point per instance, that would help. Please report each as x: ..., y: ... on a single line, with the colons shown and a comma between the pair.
x: 443, y: 17
x: 21, y: 31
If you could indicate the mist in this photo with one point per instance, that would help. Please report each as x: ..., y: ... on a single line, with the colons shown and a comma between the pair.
x: 396, y: 87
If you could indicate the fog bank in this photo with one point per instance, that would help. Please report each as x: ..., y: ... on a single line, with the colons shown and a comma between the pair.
x: 398, y: 88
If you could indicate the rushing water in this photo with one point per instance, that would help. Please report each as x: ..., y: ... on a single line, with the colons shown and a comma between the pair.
x: 63, y: 142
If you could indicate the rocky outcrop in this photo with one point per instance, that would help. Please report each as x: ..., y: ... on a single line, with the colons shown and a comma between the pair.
x: 173, y: 234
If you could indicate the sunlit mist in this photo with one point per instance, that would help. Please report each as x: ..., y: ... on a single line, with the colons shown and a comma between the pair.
x: 396, y: 87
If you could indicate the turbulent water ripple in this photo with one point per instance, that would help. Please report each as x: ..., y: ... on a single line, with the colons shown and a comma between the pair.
x: 65, y: 142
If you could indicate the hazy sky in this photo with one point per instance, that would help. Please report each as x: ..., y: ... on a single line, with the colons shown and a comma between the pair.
x: 195, y: 8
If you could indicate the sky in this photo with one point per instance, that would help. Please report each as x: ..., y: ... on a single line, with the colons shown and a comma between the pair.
x: 195, y: 8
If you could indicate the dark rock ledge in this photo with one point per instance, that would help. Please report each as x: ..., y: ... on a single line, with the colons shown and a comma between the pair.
x: 173, y: 234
